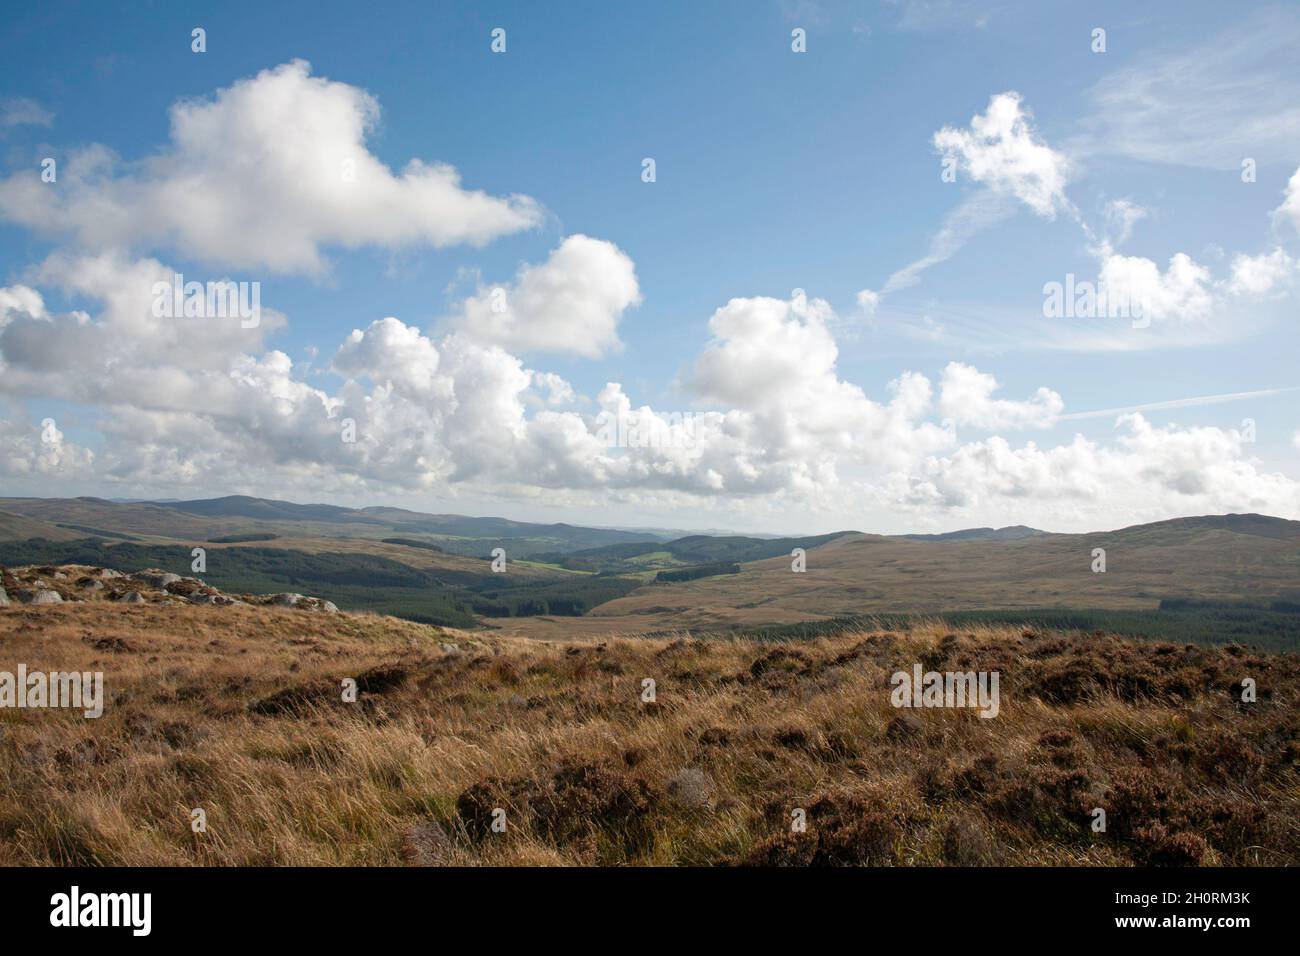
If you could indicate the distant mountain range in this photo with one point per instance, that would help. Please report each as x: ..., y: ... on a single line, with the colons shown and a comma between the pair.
x: 1229, y: 574
x: 206, y: 519
x: 238, y: 514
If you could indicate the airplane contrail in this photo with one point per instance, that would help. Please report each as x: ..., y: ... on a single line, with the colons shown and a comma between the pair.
x: 1180, y: 403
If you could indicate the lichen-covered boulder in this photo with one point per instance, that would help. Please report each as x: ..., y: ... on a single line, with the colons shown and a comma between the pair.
x: 155, y: 578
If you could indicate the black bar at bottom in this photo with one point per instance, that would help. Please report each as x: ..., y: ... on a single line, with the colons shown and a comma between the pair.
x: 338, y: 905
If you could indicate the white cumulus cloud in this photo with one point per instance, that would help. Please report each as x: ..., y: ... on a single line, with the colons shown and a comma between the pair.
x: 966, y: 397
x: 570, y: 303
x: 1289, y: 211
x: 218, y: 194
x: 1259, y: 275
x: 1000, y: 150
x: 1147, y: 474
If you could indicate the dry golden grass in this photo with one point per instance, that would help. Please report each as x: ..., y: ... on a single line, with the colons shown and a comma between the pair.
x: 238, y: 711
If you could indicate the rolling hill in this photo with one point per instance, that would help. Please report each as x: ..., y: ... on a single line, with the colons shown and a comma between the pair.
x: 202, y: 520
x: 1224, y: 558
x: 15, y: 527
x: 1180, y: 579
x: 978, y: 534
x: 682, y: 552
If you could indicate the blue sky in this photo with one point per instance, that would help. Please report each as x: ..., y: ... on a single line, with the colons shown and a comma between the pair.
x: 775, y: 170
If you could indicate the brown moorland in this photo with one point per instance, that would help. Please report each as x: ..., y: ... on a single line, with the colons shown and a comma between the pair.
x: 238, y: 711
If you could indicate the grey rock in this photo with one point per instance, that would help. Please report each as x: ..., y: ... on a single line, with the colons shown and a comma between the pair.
x: 691, y: 788
x: 157, y: 579
x: 220, y: 600
x: 288, y: 599
x: 45, y: 597
x: 132, y: 597
x: 904, y: 727
x: 426, y: 844
x: 329, y: 607
x: 4, y: 598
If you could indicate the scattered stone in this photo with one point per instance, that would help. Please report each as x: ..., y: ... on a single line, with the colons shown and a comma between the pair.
x: 691, y: 788
x: 966, y: 844
x: 151, y: 586
x: 185, y: 587
x: 426, y: 844
x: 155, y: 578
x: 904, y: 727
x: 220, y: 600
x: 114, y: 644
x: 451, y: 649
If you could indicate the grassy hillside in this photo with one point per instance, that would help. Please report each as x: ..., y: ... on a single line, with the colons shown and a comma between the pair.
x: 16, y: 527
x: 979, y: 534
x: 237, y: 711
x: 1237, y: 566
x: 690, y: 551
x: 1248, y: 559
x: 242, y: 506
x: 427, y: 586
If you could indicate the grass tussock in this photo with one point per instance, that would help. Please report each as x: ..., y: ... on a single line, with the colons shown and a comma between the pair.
x: 749, y: 753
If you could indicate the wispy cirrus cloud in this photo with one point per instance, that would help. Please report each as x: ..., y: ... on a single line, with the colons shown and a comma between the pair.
x: 1192, y: 402
x: 1231, y: 96
x: 21, y: 111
